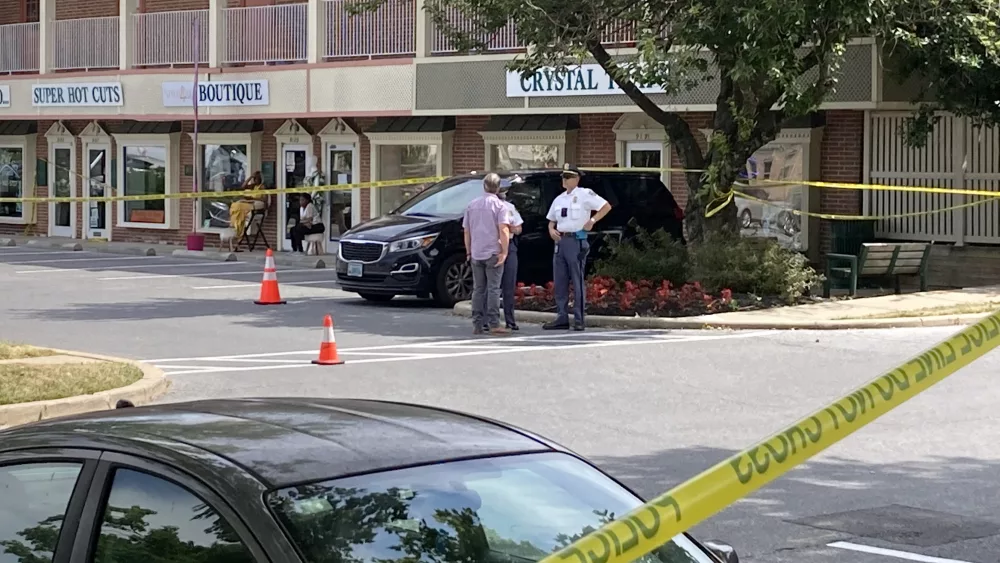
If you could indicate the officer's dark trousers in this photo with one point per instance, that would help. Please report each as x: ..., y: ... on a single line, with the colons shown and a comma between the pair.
x: 509, y: 284
x: 567, y: 268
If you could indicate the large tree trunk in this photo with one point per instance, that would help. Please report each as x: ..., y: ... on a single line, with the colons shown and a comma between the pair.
x: 701, y: 200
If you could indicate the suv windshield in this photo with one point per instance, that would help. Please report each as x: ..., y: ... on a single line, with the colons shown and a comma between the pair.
x: 449, y: 197
x: 514, y: 509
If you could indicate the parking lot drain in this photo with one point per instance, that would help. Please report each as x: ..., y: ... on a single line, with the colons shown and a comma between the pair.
x: 904, y: 525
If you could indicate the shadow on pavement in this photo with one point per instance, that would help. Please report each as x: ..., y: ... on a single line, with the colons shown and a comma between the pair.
x: 803, y: 509
x: 407, y: 317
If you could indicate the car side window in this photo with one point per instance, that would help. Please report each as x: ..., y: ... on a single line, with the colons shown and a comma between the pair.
x: 526, y: 197
x: 33, y: 502
x: 147, y: 518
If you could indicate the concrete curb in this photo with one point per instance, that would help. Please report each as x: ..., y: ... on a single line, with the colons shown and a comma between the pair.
x: 75, y: 246
x: 464, y: 309
x: 206, y: 255
x: 132, y: 250
x: 153, y: 384
x: 8, y: 242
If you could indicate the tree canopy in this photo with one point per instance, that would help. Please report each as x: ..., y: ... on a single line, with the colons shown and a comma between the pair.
x: 770, y: 60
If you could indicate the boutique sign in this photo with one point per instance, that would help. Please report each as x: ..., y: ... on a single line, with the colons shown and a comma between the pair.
x: 103, y: 94
x: 216, y: 94
x: 582, y: 80
x: 4, y: 96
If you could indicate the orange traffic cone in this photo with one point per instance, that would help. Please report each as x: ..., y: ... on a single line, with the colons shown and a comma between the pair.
x: 269, y: 294
x: 328, y: 349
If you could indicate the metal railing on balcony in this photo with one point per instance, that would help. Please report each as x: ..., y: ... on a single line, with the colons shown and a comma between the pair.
x: 266, y: 34
x: 85, y: 44
x: 618, y: 34
x: 168, y: 38
x: 388, y: 31
x: 19, y: 47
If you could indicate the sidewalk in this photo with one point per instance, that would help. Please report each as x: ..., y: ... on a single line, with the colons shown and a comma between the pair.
x: 150, y: 249
x: 964, y: 306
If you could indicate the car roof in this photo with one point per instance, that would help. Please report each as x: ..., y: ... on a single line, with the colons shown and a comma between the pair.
x: 556, y: 171
x: 286, y: 441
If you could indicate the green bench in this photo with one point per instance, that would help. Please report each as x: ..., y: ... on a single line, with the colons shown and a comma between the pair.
x: 879, y: 260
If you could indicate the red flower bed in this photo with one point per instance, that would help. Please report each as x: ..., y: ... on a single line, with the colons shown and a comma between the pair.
x: 605, y: 296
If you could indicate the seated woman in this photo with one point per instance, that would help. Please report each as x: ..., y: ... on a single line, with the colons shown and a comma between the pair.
x: 240, y: 209
x: 309, y: 223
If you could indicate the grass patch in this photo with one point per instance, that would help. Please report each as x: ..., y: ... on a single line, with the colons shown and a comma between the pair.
x: 964, y: 309
x: 22, y: 383
x: 15, y: 351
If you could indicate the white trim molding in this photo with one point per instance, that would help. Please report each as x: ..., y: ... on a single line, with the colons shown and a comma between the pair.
x: 252, y: 141
x: 60, y: 137
x: 640, y: 128
x: 337, y: 133
x: 28, y: 180
x: 292, y: 132
x: 443, y: 140
x: 171, y: 142
x: 564, y: 140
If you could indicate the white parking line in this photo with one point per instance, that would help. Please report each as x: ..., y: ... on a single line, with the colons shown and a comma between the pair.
x: 101, y: 268
x: 88, y: 259
x: 497, y: 350
x: 239, y: 285
x: 440, y: 344
x: 254, y: 272
x: 43, y: 252
x: 892, y: 553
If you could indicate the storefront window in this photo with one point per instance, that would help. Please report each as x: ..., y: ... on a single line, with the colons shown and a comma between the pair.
x: 341, y: 163
x: 224, y: 168
x: 520, y: 157
x: 767, y: 212
x: 11, y: 183
x: 397, y: 162
x: 145, y: 174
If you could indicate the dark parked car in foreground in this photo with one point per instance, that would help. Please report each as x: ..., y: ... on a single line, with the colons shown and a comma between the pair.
x: 418, y: 248
x: 299, y: 480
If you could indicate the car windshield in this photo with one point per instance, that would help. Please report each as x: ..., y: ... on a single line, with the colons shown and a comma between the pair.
x: 514, y: 509
x: 449, y: 197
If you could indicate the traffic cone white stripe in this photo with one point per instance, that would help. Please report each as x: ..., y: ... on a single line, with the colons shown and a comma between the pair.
x: 329, y: 335
x: 270, y: 276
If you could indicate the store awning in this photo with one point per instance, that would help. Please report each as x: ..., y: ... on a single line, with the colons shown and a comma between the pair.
x: 16, y: 128
x: 532, y: 123
x: 130, y: 127
x: 222, y: 126
x: 420, y: 124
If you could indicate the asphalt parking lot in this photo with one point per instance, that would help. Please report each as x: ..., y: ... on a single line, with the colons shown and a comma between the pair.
x: 651, y: 407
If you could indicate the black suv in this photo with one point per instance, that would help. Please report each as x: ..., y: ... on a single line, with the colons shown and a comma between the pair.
x: 418, y: 249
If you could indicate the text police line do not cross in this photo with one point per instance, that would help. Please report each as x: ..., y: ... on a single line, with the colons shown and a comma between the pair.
x: 653, y: 524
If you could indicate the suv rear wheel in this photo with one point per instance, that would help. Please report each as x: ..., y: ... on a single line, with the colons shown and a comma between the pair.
x: 454, y: 281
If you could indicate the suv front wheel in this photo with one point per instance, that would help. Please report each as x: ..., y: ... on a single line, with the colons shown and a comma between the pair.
x: 454, y: 281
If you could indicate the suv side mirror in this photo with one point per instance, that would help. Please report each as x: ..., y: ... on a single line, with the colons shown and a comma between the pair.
x: 724, y: 552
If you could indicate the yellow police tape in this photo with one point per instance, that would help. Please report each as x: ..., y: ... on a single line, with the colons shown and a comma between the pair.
x: 742, y: 195
x: 228, y: 194
x: 654, y: 523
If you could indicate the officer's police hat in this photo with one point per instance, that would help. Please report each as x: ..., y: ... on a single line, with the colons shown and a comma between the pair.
x: 570, y: 171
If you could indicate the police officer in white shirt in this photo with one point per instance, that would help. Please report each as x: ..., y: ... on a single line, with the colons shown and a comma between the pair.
x: 570, y: 220
x: 509, y: 282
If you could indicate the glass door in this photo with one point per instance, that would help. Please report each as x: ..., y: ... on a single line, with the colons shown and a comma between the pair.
x: 644, y: 155
x: 340, y: 161
x: 97, y: 215
x: 62, y: 218
x: 292, y: 175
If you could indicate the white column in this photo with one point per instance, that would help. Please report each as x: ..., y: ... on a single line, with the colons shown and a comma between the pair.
x: 126, y: 43
x: 425, y: 30
x: 216, y: 32
x: 316, y: 31
x: 46, y: 15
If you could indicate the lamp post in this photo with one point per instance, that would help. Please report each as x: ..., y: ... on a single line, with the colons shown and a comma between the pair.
x: 195, y: 240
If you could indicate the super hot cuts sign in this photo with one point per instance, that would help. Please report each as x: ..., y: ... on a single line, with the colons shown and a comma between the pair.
x: 221, y: 93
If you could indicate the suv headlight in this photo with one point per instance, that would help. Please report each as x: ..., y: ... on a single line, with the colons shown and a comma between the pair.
x: 412, y: 243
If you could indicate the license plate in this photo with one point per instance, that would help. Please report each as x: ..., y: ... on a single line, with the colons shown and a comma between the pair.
x: 354, y: 269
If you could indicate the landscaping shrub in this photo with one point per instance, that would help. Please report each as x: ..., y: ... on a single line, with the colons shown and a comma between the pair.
x: 756, y: 266
x: 653, y: 256
x: 606, y: 296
